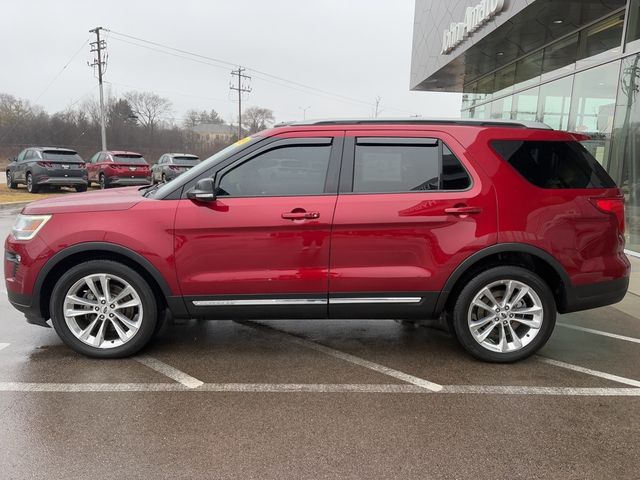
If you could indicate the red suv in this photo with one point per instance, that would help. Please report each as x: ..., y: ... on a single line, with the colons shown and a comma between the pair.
x: 118, y: 169
x: 495, y: 226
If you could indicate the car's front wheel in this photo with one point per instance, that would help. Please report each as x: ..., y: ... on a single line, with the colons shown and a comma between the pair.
x: 504, y: 314
x: 102, y: 180
x: 103, y: 308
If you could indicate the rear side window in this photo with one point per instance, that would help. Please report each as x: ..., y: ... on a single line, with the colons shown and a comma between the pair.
x: 554, y: 164
x: 407, y: 166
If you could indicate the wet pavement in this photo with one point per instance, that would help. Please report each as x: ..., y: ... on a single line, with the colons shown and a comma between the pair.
x: 322, y: 399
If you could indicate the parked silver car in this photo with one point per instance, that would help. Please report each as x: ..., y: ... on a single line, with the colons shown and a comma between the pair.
x: 170, y: 165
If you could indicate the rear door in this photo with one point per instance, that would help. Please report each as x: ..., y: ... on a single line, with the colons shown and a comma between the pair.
x: 411, y: 208
x: 261, y: 249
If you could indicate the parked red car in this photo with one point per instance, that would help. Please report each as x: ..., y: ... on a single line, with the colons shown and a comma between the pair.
x: 495, y: 225
x: 118, y: 169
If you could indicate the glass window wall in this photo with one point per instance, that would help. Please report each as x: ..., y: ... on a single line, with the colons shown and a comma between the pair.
x: 625, y: 150
x: 602, y: 40
x: 525, y: 105
x: 559, y: 58
x: 592, y: 107
x: 554, y: 102
x: 633, y: 26
x: 501, y: 108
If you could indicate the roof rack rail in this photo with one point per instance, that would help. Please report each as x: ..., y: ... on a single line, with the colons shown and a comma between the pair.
x: 420, y: 121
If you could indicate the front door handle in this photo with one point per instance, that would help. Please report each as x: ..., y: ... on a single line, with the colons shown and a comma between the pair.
x: 300, y: 215
x: 463, y: 210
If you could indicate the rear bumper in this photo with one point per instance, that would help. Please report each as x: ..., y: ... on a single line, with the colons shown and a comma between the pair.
x: 62, y: 181
x: 584, y: 297
x: 122, y: 182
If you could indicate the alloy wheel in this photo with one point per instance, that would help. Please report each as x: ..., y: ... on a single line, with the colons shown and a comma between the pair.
x: 505, y: 316
x: 29, y: 183
x: 103, y: 310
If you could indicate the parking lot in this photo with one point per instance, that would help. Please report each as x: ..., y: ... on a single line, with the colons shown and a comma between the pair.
x: 322, y: 399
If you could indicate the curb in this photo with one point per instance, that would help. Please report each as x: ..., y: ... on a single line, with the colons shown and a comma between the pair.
x: 12, y: 205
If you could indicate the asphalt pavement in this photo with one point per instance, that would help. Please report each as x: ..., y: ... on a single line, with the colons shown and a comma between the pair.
x: 322, y: 399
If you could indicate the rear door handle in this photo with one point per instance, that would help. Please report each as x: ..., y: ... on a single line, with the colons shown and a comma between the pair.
x: 463, y: 210
x: 300, y: 215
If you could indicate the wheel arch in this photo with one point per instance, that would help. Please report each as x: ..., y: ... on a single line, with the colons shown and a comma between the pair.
x: 79, y: 253
x: 519, y: 254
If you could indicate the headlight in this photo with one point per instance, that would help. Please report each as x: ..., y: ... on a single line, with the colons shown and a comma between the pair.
x: 27, y: 226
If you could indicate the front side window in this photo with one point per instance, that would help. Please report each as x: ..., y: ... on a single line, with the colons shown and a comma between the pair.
x: 406, y: 167
x: 285, y: 171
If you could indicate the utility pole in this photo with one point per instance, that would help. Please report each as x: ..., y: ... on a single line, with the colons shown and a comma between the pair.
x: 304, y: 112
x: 98, y: 46
x: 377, y: 105
x: 241, y: 87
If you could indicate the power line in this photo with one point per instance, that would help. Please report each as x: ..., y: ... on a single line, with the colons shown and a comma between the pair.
x: 61, y: 70
x: 249, y: 69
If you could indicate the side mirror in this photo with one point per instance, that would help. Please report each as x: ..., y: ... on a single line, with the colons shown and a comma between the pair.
x: 204, y: 191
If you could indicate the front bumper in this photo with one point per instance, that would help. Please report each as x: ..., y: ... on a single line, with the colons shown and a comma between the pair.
x: 24, y: 303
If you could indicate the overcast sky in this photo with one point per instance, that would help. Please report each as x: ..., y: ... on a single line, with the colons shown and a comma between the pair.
x: 358, y: 49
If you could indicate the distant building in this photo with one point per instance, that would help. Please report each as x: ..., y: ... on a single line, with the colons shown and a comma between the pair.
x: 215, y: 132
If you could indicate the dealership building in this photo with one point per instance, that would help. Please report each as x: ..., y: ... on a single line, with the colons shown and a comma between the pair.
x: 572, y: 64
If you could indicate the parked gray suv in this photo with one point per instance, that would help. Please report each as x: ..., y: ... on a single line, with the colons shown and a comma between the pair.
x: 38, y: 167
x: 170, y: 165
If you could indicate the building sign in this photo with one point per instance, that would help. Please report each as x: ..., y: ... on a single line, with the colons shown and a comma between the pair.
x: 474, y: 18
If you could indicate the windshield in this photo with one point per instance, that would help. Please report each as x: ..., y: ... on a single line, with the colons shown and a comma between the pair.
x: 204, y: 165
x: 61, y: 156
x: 189, y: 161
x: 132, y: 159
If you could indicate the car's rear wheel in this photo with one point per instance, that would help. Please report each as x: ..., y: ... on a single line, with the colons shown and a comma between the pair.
x: 10, y: 182
x: 504, y: 314
x: 81, y: 188
x: 32, y: 187
x: 164, y: 178
x: 102, y: 180
x: 103, y: 309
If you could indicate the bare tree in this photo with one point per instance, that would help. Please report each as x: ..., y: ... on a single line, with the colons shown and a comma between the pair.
x: 149, y: 108
x: 255, y: 119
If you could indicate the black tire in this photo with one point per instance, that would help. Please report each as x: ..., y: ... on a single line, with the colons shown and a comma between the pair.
x: 102, y: 181
x: 31, y: 187
x: 141, y: 287
x: 81, y: 188
x: 164, y: 178
x: 10, y: 183
x: 475, y: 286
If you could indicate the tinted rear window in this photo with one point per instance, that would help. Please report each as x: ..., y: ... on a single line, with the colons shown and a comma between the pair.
x: 190, y: 161
x: 61, y: 156
x: 554, y: 164
x: 133, y: 159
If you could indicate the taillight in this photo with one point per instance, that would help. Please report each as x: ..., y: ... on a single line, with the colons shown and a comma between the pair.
x: 46, y: 164
x: 613, y: 206
x: 177, y: 169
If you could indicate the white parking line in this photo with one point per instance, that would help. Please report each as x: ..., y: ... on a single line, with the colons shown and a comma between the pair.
x: 405, y: 377
x: 588, y: 371
x: 525, y: 390
x: 600, y: 332
x: 169, y: 371
x: 4, y: 345
x: 316, y: 388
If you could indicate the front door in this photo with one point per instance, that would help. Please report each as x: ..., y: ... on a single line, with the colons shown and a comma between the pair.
x: 410, y: 209
x: 261, y: 249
